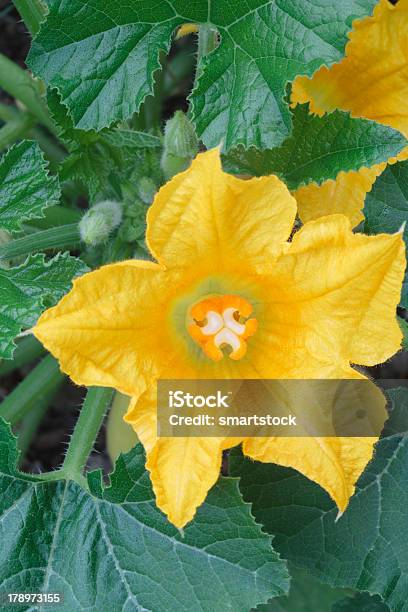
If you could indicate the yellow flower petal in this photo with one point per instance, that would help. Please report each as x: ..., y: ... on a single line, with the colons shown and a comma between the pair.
x: 371, y: 82
x: 334, y: 463
x: 345, y: 194
x: 204, y: 214
x: 182, y: 471
x: 108, y: 330
x: 339, y: 291
x: 142, y: 417
x: 120, y: 438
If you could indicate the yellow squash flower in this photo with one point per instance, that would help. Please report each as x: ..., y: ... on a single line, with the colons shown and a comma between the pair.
x: 227, y: 276
x: 371, y: 82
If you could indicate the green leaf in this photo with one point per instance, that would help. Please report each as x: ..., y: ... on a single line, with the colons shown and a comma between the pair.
x: 386, y: 207
x: 366, y: 547
x: 117, y: 137
x: 28, y: 289
x: 319, y: 148
x: 361, y: 602
x: 26, y: 188
x: 306, y: 595
x: 102, y: 58
x: 113, y: 549
x: 130, y: 139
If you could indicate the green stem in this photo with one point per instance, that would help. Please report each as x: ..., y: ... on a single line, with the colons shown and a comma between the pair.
x: 8, y: 112
x: 21, y: 85
x: 53, y: 150
x: 86, y: 429
x: 207, y: 41
x: 32, y: 419
x: 53, y: 475
x: 32, y: 13
x: 28, y: 349
x: 31, y: 390
x: 64, y: 236
x: 15, y: 129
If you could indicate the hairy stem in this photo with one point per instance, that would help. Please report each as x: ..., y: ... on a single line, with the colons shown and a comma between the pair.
x: 8, y: 112
x: 53, y: 150
x: 32, y: 390
x: 86, y: 429
x: 32, y: 13
x: 207, y: 41
x: 61, y: 237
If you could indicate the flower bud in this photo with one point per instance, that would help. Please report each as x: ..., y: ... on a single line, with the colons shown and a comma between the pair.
x: 99, y: 222
x: 180, y: 145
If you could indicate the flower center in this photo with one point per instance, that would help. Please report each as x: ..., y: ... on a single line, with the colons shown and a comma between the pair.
x: 221, y: 322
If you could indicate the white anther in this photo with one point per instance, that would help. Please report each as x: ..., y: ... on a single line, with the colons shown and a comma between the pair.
x: 214, y: 323
x: 231, y: 322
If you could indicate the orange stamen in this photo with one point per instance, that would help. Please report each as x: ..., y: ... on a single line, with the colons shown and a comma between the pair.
x: 219, y: 321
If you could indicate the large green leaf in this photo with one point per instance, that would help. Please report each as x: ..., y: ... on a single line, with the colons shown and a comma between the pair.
x: 28, y: 289
x: 310, y: 595
x: 361, y: 602
x: 319, y: 148
x: 306, y: 595
x: 366, y: 547
x: 386, y: 207
x: 112, y: 549
x: 102, y: 57
x: 25, y: 186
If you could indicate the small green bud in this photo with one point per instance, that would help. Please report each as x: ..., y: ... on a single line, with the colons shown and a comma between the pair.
x: 147, y: 189
x: 179, y: 136
x: 99, y: 222
x: 180, y: 145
